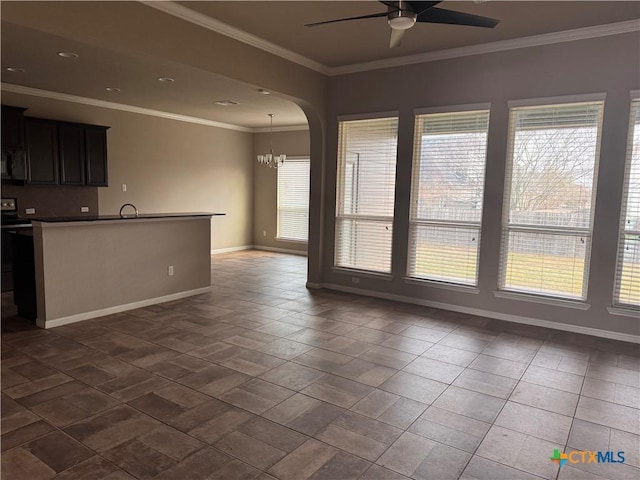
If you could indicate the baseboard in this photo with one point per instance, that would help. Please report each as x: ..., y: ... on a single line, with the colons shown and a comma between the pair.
x: 57, y: 322
x: 596, y: 332
x: 281, y: 250
x: 218, y: 251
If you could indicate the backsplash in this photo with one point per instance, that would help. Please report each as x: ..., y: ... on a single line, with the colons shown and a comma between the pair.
x: 52, y: 201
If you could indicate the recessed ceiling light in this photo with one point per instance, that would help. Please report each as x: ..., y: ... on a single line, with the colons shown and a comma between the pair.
x: 112, y: 89
x: 263, y: 91
x: 15, y: 69
x: 68, y: 55
x: 166, y: 79
x: 227, y: 103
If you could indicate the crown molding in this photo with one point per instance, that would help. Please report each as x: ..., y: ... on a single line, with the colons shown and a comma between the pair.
x: 36, y: 92
x: 492, y: 47
x: 222, y: 28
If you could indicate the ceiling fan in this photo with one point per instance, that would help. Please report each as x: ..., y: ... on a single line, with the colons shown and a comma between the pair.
x: 402, y: 15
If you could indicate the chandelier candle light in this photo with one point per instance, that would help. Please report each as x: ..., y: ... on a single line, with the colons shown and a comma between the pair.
x: 269, y: 159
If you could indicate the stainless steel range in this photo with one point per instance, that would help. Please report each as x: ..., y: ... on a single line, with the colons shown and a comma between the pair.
x: 10, y: 222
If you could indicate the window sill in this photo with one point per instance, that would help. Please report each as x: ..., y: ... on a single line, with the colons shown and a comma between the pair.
x: 444, y: 285
x: 363, y: 273
x: 556, y: 302
x: 624, y: 311
x: 282, y: 239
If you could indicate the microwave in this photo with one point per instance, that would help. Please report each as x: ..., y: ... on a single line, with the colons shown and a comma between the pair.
x: 14, y: 164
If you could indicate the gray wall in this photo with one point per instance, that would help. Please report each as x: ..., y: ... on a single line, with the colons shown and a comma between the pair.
x: 608, y: 64
x: 167, y: 165
x: 265, y: 195
x: 84, y: 268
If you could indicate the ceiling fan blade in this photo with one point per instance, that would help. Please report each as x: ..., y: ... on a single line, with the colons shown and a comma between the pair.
x: 419, y: 7
x: 396, y: 37
x: 440, y: 15
x: 373, y: 15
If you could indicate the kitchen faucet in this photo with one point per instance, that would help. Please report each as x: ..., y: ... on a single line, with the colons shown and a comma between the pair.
x: 128, y: 205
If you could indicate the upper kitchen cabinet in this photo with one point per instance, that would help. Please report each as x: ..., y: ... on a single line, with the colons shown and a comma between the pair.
x: 42, y: 151
x: 66, y: 153
x: 12, y: 127
x: 96, y: 156
x: 72, y: 153
x: 13, y: 166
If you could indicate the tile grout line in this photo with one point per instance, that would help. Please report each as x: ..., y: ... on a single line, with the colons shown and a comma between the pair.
x: 575, y: 411
x: 292, y: 360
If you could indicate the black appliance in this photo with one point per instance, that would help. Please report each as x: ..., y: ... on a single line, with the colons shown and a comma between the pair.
x: 10, y: 222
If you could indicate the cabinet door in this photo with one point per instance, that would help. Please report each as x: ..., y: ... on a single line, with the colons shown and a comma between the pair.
x: 42, y: 151
x: 96, y: 156
x: 72, y: 153
x: 12, y: 127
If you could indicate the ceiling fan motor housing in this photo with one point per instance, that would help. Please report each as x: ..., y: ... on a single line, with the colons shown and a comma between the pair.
x: 402, y: 19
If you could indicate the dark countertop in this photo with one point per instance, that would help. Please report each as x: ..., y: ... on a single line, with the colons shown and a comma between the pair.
x: 27, y: 232
x: 96, y: 218
x: 17, y: 226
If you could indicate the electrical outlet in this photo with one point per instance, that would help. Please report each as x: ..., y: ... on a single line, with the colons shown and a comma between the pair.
x: 264, y: 233
x: 30, y: 211
x: 84, y: 209
x: 355, y: 280
x: 170, y: 270
x: 124, y: 187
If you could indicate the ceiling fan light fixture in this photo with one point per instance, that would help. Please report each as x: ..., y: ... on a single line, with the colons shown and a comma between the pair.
x: 402, y: 19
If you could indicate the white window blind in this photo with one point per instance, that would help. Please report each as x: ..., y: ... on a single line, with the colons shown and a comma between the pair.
x: 367, y: 151
x: 293, y: 200
x: 627, y: 290
x: 550, y: 187
x: 449, y: 158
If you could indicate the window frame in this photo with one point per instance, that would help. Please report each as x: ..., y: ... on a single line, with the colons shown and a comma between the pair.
x: 415, y: 222
x: 290, y: 159
x: 340, y: 194
x: 507, y: 227
x: 633, y: 112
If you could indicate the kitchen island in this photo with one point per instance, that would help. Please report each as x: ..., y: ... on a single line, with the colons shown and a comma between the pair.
x: 91, y: 266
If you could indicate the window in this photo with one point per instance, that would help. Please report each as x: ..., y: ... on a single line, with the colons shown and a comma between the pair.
x: 627, y: 290
x: 367, y: 151
x: 450, y: 151
x: 293, y: 200
x: 552, y: 160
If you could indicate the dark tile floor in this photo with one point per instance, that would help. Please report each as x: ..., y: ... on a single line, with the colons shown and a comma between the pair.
x: 262, y: 378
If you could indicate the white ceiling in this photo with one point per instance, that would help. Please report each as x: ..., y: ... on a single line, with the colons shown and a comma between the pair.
x: 193, y: 93
x: 278, y: 23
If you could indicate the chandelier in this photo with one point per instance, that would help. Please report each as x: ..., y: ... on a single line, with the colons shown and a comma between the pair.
x: 269, y: 159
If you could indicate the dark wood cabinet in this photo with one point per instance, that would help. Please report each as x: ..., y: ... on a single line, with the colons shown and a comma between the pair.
x: 65, y: 153
x: 42, y: 151
x: 72, y: 153
x: 13, y: 166
x: 96, y: 156
x: 12, y: 127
